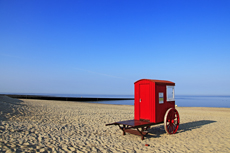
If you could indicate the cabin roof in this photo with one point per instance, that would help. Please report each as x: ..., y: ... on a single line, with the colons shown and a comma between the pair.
x: 157, y: 81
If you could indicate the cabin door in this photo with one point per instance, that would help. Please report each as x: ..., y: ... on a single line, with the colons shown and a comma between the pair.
x: 144, y: 101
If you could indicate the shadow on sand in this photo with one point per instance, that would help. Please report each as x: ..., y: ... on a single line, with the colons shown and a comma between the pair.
x: 157, y: 131
x: 9, y: 107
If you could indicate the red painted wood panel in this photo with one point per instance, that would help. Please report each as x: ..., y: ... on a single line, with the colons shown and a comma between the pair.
x: 144, y: 101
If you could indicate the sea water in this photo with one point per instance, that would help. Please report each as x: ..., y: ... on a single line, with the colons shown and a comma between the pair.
x: 180, y: 100
x: 186, y: 101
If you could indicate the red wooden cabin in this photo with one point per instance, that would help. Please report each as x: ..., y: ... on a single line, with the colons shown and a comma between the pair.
x: 152, y: 99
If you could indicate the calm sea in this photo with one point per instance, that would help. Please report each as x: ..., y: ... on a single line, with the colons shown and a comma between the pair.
x: 187, y: 101
x: 180, y: 100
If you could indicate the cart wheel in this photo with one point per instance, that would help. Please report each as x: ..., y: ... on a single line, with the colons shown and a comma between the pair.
x: 171, y: 121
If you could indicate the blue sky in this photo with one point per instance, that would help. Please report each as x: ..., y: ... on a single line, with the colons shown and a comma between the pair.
x: 104, y: 46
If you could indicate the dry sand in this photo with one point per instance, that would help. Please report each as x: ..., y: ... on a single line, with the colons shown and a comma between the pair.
x: 58, y: 126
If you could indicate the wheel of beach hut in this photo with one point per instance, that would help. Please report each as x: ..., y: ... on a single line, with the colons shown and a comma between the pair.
x: 171, y: 121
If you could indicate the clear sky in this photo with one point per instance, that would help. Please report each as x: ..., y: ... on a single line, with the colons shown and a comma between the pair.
x: 104, y: 46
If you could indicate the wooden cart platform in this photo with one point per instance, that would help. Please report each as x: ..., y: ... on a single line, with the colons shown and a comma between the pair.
x: 129, y: 126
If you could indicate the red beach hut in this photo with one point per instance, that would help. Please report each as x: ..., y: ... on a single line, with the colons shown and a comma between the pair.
x: 154, y: 104
x: 152, y: 99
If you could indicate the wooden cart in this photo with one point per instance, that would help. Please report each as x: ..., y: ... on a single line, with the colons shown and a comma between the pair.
x: 138, y: 127
x: 154, y: 104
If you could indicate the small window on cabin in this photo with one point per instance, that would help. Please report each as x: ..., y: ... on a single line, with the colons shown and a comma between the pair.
x: 161, y: 97
x: 170, y: 93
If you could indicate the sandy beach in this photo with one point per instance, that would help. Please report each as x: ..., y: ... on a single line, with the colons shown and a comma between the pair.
x: 58, y: 126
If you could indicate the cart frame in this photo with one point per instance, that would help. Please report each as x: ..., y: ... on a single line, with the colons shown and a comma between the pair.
x: 171, y: 124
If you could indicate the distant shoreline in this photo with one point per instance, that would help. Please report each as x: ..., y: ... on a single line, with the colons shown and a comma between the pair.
x: 41, y: 97
x: 181, y: 101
